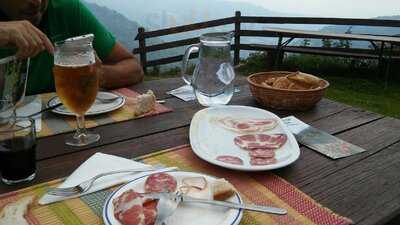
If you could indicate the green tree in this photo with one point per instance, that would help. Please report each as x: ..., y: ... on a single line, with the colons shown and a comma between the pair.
x: 306, y: 42
x: 327, y: 43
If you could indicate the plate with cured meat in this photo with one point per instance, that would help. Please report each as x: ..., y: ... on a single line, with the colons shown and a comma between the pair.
x: 242, y: 138
x: 128, y: 205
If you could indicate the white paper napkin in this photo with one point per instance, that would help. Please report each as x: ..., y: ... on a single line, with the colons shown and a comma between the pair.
x: 96, y: 164
x: 34, y: 105
x: 184, y: 93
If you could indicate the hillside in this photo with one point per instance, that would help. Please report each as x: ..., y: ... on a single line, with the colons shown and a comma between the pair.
x: 124, y: 29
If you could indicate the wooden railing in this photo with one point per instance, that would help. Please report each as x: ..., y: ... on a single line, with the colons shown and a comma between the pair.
x: 237, y: 20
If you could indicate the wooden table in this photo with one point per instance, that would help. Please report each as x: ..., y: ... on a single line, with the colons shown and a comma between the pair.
x: 365, y: 187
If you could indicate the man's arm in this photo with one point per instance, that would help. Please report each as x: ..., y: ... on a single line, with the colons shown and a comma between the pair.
x: 120, y: 68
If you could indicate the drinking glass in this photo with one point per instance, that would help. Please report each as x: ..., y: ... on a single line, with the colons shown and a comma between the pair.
x: 17, y: 150
x: 77, y: 82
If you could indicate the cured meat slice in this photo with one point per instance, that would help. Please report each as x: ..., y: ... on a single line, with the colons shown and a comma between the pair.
x: 230, y: 159
x: 244, y: 126
x: 150, y: 211
x: 260, y: 141
x: 256, y: 161
x: 128, y: 209
x: 262, y: 153
x: 160, y: 182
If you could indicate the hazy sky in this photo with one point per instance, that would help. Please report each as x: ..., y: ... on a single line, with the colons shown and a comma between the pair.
x: 332, y: 8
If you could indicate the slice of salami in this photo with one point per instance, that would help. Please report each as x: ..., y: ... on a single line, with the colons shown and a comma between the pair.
x: 160, y: 182
x: 150, y: 211
x: 262, y: 153
x: 260, y: 141
x: 230, y: 159
x: 255, y: 161
x: 247, y: 125
x: 128, y: 209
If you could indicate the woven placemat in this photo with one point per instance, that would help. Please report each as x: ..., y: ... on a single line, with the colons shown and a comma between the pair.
x: 257, y: 188
x: 53, y: 124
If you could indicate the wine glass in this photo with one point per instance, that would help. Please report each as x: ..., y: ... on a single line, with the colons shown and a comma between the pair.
x: 77, y: 82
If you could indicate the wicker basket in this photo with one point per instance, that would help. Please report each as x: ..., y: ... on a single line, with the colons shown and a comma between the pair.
x: 284, y: 99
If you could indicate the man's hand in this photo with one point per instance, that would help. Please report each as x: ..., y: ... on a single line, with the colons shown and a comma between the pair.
x: 27, y: 38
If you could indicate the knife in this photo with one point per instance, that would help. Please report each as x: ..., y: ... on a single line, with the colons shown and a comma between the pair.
x: 180, y: 198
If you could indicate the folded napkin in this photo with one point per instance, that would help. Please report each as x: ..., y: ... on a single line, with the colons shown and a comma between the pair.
x: 96, y: 164
x: 184, y: 93
x: 31, y: 105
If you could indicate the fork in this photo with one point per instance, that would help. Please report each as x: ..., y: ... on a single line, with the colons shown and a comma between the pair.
x: 86, y: 185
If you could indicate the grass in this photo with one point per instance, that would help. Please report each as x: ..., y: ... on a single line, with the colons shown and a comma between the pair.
x: 353, y: 82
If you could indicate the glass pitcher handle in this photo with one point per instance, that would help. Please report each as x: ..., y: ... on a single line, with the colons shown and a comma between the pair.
x: 185, y: 62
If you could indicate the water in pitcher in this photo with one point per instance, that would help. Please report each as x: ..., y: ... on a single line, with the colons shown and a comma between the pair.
x: 213, y: 76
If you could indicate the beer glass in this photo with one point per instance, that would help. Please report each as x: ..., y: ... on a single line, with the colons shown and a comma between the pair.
x: 77, y: 82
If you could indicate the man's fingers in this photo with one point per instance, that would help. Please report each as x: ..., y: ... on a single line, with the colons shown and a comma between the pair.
x: 23, y: 46
x: 45, y: 40
x: 36, y: 43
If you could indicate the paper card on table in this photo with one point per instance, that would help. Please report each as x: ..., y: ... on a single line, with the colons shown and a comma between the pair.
x: 320, y: 141
x: 185, y: 93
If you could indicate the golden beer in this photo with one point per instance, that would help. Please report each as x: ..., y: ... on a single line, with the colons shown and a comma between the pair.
x: 76, y: 86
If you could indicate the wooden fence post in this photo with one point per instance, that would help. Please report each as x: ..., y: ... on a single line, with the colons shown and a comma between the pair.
x: 236, y: 59
x: 142, y: 49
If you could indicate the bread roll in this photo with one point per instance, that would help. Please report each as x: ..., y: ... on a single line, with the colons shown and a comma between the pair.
x: 282, y: 83
x: 303, y: 79
x: 14, y: 213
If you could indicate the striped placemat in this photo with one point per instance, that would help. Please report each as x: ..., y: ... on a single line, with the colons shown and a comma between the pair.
x: 53, y: 124
x: 257, y: 188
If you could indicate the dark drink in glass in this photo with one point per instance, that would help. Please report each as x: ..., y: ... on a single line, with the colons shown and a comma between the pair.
x: 17, y: 151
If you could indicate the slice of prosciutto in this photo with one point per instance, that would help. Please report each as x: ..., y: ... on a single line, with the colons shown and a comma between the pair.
x: 262, y: 153
x: 245, y: 126
x: 260, y: 141
x: 230, y: 159
x: 128, y: 209
x: 255, y: 161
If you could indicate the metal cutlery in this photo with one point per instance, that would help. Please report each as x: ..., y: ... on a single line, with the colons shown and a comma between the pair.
x: 86, y: 185
x: 180, y: 198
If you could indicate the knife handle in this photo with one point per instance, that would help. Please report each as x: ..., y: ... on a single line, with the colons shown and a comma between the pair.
x: 257, y: 208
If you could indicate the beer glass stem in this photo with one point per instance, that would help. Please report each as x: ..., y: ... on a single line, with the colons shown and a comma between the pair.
x: 81, y: 130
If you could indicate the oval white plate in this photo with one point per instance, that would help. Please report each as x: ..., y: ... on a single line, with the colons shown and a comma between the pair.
x: 209, y: 140
x: 97, y: 107
x: 185, y: 214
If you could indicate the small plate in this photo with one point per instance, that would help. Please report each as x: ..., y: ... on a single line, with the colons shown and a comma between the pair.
x: 185, y: 214
x: 209, y: 140
x: 97, y: 107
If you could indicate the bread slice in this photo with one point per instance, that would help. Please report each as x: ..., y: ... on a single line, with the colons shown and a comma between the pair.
x: 14, y: 213
x: 143, y: 103
x: 222, y: 189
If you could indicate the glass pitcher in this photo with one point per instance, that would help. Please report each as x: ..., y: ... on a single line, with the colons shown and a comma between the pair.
x: 13, y: 79
x: 213, y: 77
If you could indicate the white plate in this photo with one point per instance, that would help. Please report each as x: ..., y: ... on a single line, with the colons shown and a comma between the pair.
x: 97, y: 107
x: 209, y: 140
x: 185, y: 214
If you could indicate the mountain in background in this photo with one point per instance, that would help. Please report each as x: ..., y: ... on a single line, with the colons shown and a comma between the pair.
x: 123, y: 17
x: 124, y: 29
x: 391, y: 31
x: 157, y: 14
